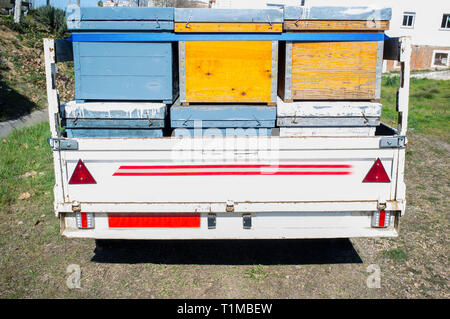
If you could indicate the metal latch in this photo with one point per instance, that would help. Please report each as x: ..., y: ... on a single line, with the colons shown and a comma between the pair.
x: 247, y: 221
x: 211, y: 221
x: 393, y: 141
x: 62, y: 144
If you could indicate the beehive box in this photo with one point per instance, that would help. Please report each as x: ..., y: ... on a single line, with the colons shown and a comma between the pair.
x: 113, y: 119
x: 222, y: 116
x: 328, y: 118
x: 219, y: 132
x: 228, y: 71
x: 334, y: 70
x: 124, y: 70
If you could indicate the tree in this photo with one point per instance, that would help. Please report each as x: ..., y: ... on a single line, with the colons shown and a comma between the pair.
x: 100, y: 3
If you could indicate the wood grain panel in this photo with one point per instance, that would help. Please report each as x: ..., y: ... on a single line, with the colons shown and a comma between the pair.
x: 228, y: 71
x: 333, y: 70
x: 355, y: 25
x: 227, y: 27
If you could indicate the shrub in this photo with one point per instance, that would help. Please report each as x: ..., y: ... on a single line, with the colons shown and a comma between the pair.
x: 392, y: 81
x: 52, y: 18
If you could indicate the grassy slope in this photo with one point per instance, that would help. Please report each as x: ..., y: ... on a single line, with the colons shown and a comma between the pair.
x: 22, y: 74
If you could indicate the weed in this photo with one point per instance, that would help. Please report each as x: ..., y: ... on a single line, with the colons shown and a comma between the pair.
x: 395, y: 254
x: 256, y: 273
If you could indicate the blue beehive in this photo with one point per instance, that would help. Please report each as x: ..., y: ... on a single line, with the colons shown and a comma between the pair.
x: 113, y: 119
x: 143, y: 71
x: 222, y: 120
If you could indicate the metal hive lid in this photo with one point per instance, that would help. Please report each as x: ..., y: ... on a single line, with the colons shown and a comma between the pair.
x: 228, y: 15
x: 337, y: 13
x: 120, y: 14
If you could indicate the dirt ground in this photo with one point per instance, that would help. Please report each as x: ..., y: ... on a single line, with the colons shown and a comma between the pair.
x: 35, y: 259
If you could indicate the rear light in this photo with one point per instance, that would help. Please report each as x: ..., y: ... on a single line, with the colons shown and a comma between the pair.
x: 81, y: 175
x: 85, y: 220
x: 381, y: 218
x: 377, y: 174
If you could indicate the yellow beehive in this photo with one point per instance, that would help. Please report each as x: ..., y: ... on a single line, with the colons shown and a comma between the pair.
x: 228, y: 71
x: 347, y: 70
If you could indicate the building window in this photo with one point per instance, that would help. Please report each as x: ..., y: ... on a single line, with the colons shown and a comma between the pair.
x: 408, y: 19
x: 445, y: 21
x: 440, y: 59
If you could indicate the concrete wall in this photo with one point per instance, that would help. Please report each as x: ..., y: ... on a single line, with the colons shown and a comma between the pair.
x: 422, y: 58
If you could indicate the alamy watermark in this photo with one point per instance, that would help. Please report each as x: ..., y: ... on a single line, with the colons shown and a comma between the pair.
x: 74, y: 279
x: 374, y: 279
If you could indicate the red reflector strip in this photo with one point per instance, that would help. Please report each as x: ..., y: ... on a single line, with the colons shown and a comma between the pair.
x: 168, y: 220
x: 81, y: 175
x: 84, y: 223
x: 198, y: 170
x: 382, y: 218
x: 377, y: 174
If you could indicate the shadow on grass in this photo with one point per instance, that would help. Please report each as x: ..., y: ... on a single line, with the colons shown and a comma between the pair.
x: 13, y: 105
x: 227, y: 252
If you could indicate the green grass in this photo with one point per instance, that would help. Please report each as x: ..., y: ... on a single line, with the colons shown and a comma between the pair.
x: 395, y: 254
x: 428, y: 105
x: 256, y: 273
x: 25, y: 151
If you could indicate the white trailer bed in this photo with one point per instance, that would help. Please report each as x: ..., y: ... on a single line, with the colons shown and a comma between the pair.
x: 231, y: 187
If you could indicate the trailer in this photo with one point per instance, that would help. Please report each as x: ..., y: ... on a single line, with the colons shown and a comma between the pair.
x: 210, y: 186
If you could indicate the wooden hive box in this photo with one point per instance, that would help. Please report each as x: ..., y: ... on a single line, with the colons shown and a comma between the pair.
x: 113, y: 119
x: 334, y: 70
x: 328, y: 118
x: 223, y: 116
x: 124, y: 70
x: 228, y: 71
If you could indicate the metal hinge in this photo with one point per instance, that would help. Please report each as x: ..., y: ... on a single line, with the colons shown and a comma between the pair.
x: 62, y: 144
x: 393, y: 141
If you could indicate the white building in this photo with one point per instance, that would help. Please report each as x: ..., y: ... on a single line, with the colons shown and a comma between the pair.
x: 427, y: 22
x: 116, y: 3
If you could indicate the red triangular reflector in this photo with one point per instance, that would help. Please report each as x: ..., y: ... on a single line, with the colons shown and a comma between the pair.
x: 377, y: 174
x: 81, y: 175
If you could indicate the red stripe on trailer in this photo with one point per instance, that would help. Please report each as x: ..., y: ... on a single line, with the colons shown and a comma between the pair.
x: 233, y: 166
x: 167, y: 220
x: 209, y: 170
x: 227, y: 173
